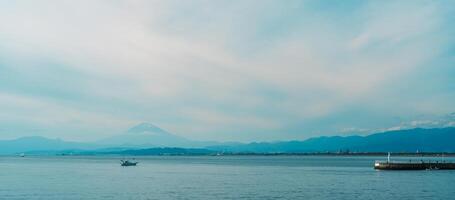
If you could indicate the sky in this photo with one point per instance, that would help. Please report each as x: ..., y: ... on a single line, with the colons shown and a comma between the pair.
x: 242, y: 70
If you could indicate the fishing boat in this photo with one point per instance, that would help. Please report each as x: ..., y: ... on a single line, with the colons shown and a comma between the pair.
x: 413, y: 165
x: 126, y: 163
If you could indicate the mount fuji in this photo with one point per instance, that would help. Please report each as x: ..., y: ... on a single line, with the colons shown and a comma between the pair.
x: 146, y: 134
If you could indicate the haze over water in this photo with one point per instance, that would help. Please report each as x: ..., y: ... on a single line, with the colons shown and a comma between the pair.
x: 216, y: 177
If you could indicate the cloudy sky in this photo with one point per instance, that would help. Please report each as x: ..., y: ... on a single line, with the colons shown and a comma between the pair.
x: 225, y: 70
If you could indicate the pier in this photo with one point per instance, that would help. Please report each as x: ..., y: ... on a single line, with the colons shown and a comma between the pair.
x: 413, y: 165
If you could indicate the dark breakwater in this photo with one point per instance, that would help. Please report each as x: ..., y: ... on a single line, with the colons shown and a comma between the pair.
x: 414, y: 165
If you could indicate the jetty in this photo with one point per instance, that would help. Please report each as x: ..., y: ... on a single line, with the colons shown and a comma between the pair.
x: 413, y: 165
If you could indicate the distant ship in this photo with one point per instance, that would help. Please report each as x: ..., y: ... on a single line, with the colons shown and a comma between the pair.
x: 413, y: 165
x: 126, y: 163
x: 22, y: 155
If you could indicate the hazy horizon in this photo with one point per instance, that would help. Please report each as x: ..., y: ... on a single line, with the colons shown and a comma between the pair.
x: 126, y: 132
x: 225, y: 70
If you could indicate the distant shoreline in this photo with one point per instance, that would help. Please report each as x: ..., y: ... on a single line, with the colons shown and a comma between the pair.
x: 399, y: 154
x: 432, y: 154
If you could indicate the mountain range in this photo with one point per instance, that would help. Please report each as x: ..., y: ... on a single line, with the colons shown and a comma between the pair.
x: 411, y: 140
x: 148, y: 136
x: 37, y: 143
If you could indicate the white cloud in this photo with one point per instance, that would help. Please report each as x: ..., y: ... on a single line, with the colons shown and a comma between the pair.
x: 58, y: 119
x: 161, y: 58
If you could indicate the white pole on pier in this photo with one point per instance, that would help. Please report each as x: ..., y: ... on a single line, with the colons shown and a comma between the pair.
x: 388, y: 157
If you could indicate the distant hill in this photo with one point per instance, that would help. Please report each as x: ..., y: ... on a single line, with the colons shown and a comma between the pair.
x: 146, y: 135
x: 142, y: 136
x: 36, y: 143
x: 412, y: 140
x: 164, y: 151
x: 145, y: 139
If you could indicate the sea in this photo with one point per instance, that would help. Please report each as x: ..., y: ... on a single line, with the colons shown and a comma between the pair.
x: 216, y: 177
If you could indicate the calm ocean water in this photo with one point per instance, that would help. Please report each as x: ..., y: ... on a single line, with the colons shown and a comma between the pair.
x: 217, y: 177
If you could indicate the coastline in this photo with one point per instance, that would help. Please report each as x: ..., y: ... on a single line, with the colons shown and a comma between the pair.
x: 366, y: 154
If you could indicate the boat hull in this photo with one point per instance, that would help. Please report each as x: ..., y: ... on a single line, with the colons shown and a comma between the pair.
x: 127, y: 163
